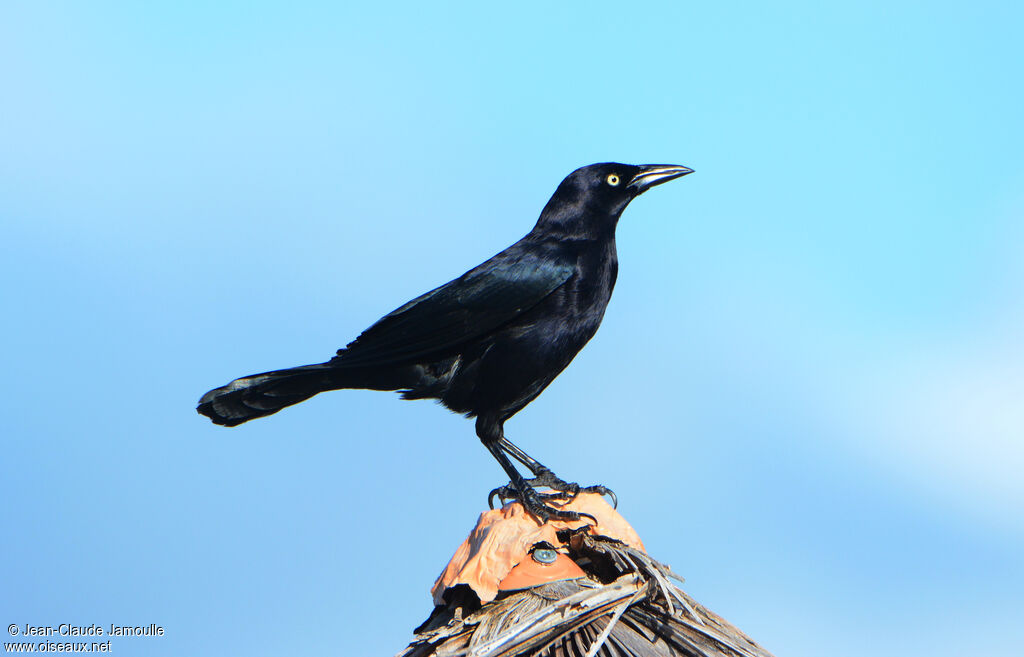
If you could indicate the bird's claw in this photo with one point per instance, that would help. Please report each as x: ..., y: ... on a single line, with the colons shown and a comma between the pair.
x: 602, y: 491
x: 502, y: 493
x: 545, y: 477
x: 540, y: 504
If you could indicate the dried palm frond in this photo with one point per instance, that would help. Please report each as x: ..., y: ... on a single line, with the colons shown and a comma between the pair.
x: 625, y: 605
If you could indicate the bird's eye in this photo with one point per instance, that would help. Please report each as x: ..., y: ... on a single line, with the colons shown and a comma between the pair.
x: 612, y: 179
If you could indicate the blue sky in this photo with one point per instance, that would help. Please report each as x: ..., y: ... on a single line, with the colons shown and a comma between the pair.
x: 807, y: 390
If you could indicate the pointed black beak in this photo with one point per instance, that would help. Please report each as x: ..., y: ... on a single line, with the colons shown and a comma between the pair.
x: 655, y: 174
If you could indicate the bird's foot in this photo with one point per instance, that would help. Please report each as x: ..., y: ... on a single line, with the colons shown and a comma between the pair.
x: 547, y: 506
x: 544, y: 477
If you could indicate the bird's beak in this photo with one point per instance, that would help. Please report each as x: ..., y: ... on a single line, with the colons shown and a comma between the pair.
x: 655, y: 174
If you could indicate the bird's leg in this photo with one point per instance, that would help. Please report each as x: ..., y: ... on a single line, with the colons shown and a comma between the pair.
x: 543, y: 476
x: 491, y: 435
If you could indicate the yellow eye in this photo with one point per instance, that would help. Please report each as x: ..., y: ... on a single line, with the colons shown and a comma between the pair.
x: 612, y: 179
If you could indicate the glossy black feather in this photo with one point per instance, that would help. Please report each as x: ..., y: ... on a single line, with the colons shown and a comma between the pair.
x: 476, y: 303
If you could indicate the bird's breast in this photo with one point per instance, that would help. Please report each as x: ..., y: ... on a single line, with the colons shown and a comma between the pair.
x: 589, y: 290
x: 571, y: 315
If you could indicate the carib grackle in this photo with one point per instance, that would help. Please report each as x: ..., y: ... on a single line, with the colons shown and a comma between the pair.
x: 487, y: 343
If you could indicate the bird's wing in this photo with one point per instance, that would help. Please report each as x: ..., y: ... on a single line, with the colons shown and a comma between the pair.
x: 469, y: 307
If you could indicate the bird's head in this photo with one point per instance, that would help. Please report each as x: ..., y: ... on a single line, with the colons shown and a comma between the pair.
x: 591, y: 199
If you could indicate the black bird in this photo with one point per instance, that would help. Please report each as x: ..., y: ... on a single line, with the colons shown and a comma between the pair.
x: 487, y: 343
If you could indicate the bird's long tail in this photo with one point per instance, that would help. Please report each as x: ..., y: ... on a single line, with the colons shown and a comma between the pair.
x: 258, y: 395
